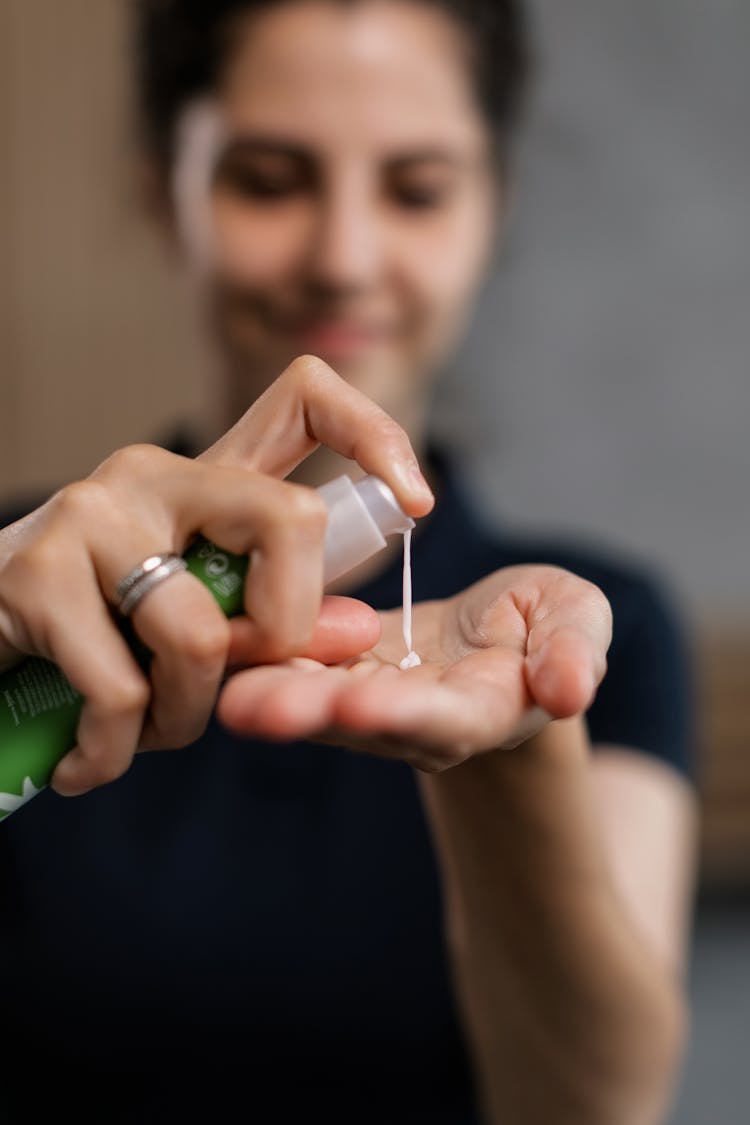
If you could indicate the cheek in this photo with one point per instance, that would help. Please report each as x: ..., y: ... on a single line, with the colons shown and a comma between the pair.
x: 255, y: 249
x: 444, y: 260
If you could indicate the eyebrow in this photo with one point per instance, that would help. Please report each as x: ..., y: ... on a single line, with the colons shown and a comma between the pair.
x: 260, y: 145
x: 426, y: 156
x: 266, y: 146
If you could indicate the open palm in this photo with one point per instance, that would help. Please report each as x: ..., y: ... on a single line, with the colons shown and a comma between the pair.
x: 499, y: 660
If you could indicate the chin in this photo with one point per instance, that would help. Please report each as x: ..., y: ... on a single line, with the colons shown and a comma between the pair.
x: 373, y: 372
x: 380, y: 381
x: 385, y: 378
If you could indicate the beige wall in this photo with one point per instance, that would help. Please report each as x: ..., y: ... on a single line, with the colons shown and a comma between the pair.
x: 95, y: 348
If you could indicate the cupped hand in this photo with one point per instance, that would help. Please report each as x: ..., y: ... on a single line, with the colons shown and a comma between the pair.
x: 61, y: 565
x: 525, y: 645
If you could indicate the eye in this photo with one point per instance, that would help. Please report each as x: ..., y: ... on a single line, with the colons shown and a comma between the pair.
x: 420, y: 185
x: 251, y: 185
x: 420, y: 197
x: 263, y: 179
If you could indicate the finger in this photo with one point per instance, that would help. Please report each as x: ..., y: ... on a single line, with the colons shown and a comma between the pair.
x: 284, y: 587
x: 475, y: 706
x: 281, y: 525
x: 284, y: 583
x: 188, y: 636
x: 98, y: 663
x: 309, y: 405
x: 565, y: 672
x: 570, y: 633
x: 289, y: 701
x: 481, y: 705
x: 344, y: 629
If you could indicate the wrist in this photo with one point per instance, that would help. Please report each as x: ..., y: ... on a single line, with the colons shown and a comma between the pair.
x: 558, y: 751
x: 523, y: 816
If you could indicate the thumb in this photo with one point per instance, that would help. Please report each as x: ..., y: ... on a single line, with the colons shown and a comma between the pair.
x: 345, y: 628
x: 564, y: 674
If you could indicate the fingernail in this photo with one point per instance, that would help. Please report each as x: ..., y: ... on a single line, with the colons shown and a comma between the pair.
x: 418, y: 481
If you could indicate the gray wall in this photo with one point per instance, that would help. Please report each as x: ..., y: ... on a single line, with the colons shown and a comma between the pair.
x: 614, y: 342
x: 614, y: 348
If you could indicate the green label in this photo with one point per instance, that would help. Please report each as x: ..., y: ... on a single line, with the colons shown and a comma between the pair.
x: 38, y: 718
x: 222, y: 572
x: 39, y: 709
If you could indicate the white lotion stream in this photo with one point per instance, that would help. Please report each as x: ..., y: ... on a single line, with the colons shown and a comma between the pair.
x: 412, y: 660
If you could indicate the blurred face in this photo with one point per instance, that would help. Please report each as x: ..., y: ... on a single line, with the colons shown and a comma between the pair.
x: 350, y: 194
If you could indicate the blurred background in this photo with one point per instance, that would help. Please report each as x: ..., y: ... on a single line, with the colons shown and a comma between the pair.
x: 613, y: 344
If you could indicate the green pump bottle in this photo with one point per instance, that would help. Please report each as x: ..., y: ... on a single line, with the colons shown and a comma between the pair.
x: 39, y: 709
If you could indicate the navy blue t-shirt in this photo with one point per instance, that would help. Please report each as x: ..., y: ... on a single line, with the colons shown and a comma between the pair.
x: 256, y: 925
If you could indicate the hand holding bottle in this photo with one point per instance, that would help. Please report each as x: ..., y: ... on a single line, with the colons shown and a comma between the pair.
x: 61, y: 565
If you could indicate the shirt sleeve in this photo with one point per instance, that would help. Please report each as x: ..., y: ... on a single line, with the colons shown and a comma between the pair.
x: 645, y: 700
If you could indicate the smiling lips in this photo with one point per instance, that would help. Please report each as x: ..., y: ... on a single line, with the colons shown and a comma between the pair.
x: 340, y: 337
x: 334, y: 332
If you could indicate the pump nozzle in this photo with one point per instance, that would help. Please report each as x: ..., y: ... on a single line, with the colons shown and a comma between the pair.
x: 360, y: 516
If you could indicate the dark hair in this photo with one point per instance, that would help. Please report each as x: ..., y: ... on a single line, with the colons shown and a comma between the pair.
x: 181, y: 47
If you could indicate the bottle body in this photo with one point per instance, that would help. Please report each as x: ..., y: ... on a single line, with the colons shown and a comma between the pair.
x: 39, y: 713
x: 39, y: 709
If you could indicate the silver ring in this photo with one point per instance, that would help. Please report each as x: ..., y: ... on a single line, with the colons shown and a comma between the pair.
x: 151, y: 572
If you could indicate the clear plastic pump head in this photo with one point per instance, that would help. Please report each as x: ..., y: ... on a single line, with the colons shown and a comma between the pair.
x: 360, y: 516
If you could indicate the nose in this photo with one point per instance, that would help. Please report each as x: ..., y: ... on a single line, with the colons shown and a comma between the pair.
x: 346, y: 248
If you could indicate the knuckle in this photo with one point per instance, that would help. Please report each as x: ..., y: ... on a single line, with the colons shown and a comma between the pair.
x: 276, y: 645
x: 389, y: 427
x: 141, y: 459
x: 390, y: 433
x: 305, y: 509
x: 307, y: 369
x: 206, y: 646
x: 82, y: 499
x: 127, y: 696
x: 31, y: 563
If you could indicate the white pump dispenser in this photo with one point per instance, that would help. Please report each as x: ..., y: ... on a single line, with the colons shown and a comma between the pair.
x: 360, y: 516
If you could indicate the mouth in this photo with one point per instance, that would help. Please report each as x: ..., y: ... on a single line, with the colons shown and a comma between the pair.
x: 336, y: 334
x: 338, y: 337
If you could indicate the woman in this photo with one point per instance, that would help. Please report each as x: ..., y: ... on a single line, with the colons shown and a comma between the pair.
x: 496, y: 934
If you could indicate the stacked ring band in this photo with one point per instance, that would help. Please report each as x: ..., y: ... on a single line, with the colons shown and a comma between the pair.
x: 144, y: 578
